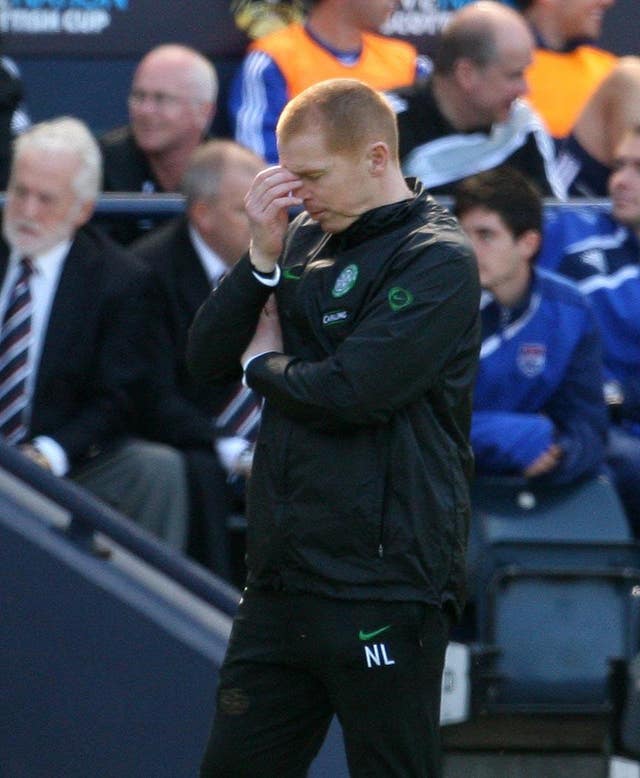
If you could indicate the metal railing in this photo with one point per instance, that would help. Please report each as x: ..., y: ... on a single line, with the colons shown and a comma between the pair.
x: 89, y: 517
x: 141, y: 204
x: 136, y: 204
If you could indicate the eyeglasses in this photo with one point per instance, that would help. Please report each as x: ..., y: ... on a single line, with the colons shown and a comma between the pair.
x: 159, y: 100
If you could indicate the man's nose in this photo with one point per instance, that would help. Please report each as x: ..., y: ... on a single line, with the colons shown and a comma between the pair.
x: 619, y: 177
x: 302, y: 192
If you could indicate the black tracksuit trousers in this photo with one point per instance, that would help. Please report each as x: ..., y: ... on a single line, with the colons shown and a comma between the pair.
x: 294, y: 660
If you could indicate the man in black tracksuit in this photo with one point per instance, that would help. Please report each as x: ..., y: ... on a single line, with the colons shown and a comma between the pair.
x: 358, y: 501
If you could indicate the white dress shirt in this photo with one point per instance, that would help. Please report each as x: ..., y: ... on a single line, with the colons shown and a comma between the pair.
x: 230, y: 450
x: 212, y: 265
x: 43, y: 283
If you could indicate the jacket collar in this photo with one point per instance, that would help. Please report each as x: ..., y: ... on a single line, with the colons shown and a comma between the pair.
x: 496, y: 316
x: 384, y: 218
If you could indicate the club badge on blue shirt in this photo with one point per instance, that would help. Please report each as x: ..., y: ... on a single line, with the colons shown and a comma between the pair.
x: 532, y: 359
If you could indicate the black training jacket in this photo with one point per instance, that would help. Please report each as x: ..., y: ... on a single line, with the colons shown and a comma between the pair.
x: 359, y: 487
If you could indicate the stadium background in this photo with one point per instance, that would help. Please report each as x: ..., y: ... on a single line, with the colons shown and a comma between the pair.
x: 75, y: 53
x: 77, y: 57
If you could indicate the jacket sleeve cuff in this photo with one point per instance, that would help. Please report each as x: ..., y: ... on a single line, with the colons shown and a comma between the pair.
x: 268, y: 279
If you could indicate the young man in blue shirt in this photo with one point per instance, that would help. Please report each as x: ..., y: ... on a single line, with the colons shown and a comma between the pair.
x: 538, y: 408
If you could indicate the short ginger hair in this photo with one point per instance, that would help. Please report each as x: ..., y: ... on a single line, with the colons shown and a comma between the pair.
x: 350, y: 113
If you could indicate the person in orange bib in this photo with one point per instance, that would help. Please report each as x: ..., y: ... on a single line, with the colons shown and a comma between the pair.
x: 588, y: 97
x: 339, y: 39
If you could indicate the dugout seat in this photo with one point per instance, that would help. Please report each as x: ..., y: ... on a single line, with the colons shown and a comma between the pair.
x: 556, y: 585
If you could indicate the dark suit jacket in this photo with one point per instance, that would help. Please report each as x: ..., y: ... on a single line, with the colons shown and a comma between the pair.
x: 96, y: 350
x: 180, y: 412
x: 185, y: 408
x: 125, y: 167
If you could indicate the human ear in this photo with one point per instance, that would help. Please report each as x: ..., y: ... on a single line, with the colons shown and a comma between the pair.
x: 200, y: 215
x: 465, y: 72
x: 84, y: 213
x: 530, y: 242
x: 377, y: 157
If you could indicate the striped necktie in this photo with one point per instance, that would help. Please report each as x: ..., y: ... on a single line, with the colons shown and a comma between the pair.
x: 15, y: 338
x: 241, y: 415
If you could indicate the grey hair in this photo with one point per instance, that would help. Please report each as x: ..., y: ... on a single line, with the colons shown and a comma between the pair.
x: 68, y: 134
x: 208, y: 164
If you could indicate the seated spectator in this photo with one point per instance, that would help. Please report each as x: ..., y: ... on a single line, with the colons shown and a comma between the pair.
x: 600, y: 250
x: 538, y: 408
x: 567, y: 67
x: 340, y: 39
x: 13, y: 115
x: 73, y: 306
x: 468, y: 117
x: 171, y: 106
x: 189, y: 255
x: 587, y: 96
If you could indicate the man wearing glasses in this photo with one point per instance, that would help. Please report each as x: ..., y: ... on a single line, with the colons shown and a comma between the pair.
x: 171, y: 106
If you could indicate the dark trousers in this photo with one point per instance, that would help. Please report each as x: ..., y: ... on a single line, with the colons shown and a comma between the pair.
x: 295, y: 660
x: 210, y: 503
